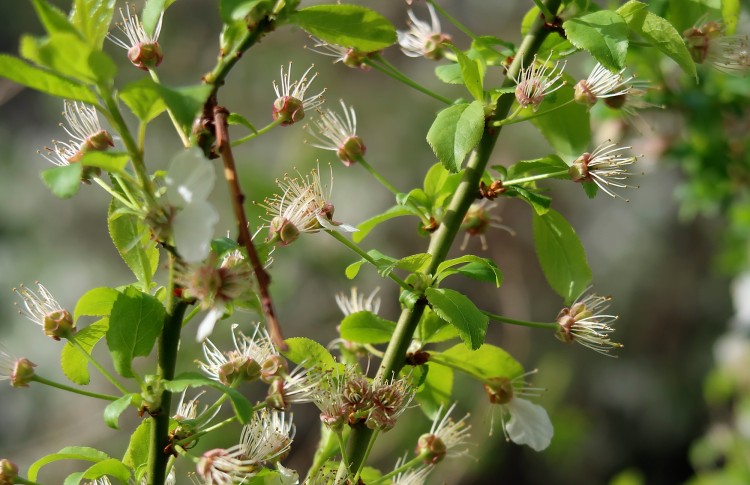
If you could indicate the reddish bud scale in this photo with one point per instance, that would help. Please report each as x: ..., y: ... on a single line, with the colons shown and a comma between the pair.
x: 146, y: 56
x: 579, y: 171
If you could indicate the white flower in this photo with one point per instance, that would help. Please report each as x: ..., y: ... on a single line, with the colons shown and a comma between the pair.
x: 226, y: 466
x: 303, y: 207
x: 189, y: 182
x: 244, y: 362
x: 605, y: 167
x: 143, y: 49
x: 290, y: 101
x: 586, y: 323
x: 602, y: 83
x: 268, y: 436
x: 356, y: 302
x: 423, y: 39
x: 339, y: 134
x: 446, y: 437
x: 536, y: 81
x: 529, y: 423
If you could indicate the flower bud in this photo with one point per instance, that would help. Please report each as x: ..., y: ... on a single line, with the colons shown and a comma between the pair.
x: 431, y: 448
x: 146, y: 56
x: 59, y: 324
x: 499, y: 390
x: 355, y: 58
x: 23, y: 373
x: 351, y: 149
x: 8, y: 472
x: 289, y: 109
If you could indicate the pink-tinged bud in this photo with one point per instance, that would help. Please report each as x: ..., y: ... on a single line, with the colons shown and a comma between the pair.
x: 290, y: 110
x: 8, y: 472
x: 499, y: 390
x: 146, y: 56
x: 350, y: 150
x: 59, y: 324
x: 431, y: 448
x: 282, y: 229
x: 536, y: 81
x: 273, y: 367
x: 23, y: 373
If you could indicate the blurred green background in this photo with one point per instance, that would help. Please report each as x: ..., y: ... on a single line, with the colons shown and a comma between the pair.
x: 667, y: 257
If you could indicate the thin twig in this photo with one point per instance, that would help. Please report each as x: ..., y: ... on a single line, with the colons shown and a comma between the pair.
x: 224, y: 148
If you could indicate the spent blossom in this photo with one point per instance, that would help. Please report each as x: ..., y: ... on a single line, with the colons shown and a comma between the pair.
x: 708, y: 44
x: 41, y: 308
x: 303, y: 207
x: 606, y: 167
x: 250, y: 354
x: 20, y: 372
x: 290, y: 102
x: 296, y: 387
x: 389, y: 400
x: 446, y: 437
x: 339, y: 134
x: 536, y: 81
x: 424, y: 39
x: 267, y: 438
x: 601, y: 84
x: 478, y: 220
x: 348, y: 56
x: 529, y: 423
x: 189, y: 181
x: 143, y: 48
x: 586, y: 323
x: 226, y: 466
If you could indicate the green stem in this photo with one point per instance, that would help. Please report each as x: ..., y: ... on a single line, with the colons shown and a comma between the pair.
x: 523, y: 323
x: 531, y: 178
x: 375, y: 174
x: 169, y: 341
x: 452, y: 20
x: 203, y: 432
x: 97, y: 365
x: 191, y: 315
x: 24, y: 481
x: 177, y: 127
x: 323, y: 453
x: 414, y: 462
x: 47, y: 382
x: 257, y: 133
x: 443, y: 237
x: 512, y: 119
x: 403, y: 284
x: 389, y: 69
x: 367, y: 454
x: 101, y: 183
x: 548, y: 15
x: 342, y: 449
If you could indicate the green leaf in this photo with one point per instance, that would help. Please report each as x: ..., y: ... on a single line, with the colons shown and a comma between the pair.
x: 234, y: 10
x: 590, y: 188
x: 540, y: 166
x: 561, y: 255
x: 449, y: 73
x: 352, y: 270
x: 567, y: 128
x: 436, y: 389
x: 114, y: 409
x: 459, y: 311
x: 113, y: 162
x: 433, y: 329
x: 133, y: 241
x: 143, y: 97
x: 484, y: 47
x: 440, y: 185
x: 73, y: 362
x: 238, y: 119
x: 92, y: 19
x: 134, y: 324
x: 67, y: 453
x: 137, y: 453
x: 111, y: 467
x: 47, y: 82
x: 659, y: 33
x: 52, y: 18
x: 481, y: 269
x: 414, y: 262
x: 185, y: 103
x: 152, y: 13
x: 310, y: 352
x: 70, y: 56
x: 347, y: 25
x: 540, y: 203
x: 73, y: 478
x: 604, y: 34
x: 472, y: 74
x: 63, y: 181
x: 242, y: 407
x: 371, y: 223
x: 95, y: 303
x: 487, y: 362
x: 366, y: 328
x: 455, y: 132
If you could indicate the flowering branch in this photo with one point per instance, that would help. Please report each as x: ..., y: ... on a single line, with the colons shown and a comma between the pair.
x: 230, y: 173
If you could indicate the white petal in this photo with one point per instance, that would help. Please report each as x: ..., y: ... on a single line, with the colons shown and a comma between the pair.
x: 286, y: 476
x: 207, y: 325
x: 191, y: 178
x: 529, y: 424
x: 335, y: 226
x: 193, y: 229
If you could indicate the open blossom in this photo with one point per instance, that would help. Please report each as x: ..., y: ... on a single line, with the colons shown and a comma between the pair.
x: 20, y: 372
x: 478, y: 220
x: 250, y: 354
x: 339, y: 134
x: 296, y: 387
x: 446, y: 437
x: 143, y: 49
x: 41, y: 308
x: 303, y: 207
x: 586, y: 323
x: 606, y: 167
x: 348, y: 56
x: 423, y: 39
x: 189, y: 181
x: 529, y: 423
x: 536, y: 81
x: 290, y: 101
x: 267, y: 438
x: 708, y: 44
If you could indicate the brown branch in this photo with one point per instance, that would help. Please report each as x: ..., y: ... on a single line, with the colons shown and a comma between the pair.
x: 230, y: 173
